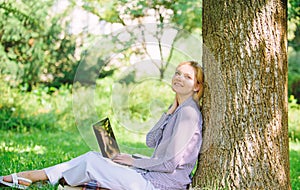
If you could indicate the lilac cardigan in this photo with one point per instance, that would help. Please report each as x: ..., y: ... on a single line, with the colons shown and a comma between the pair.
x: 177, y: 141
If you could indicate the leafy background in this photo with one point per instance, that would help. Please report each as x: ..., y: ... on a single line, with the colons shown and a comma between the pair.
x: 39, y: 55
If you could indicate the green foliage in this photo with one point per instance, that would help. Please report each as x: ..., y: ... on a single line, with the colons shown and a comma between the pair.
x: 184, y: 14
x: 294, y: 119
x: 34, y: 146
x: 10, y: 10
x: 181, y: 14
x: 294, y: 74
x: 37, y: 150
x: 42, y: 108
x: 33, y: 46
x: 26, y: 151
x: 295, y: 164
x: 36, y: 48
x: 146, y: 96
x: 109, y: 13
x: 187, y: 14
x: 294, y: 9
x: 139, y: 104
x: 294, y: 24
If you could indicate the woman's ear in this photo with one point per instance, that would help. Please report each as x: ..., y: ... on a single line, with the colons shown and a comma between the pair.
x: 197, y: 87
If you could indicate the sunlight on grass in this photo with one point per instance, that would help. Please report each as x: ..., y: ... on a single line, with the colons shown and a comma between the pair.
x: 30, y: 141
x: 295, y: 164
x: 295, y: 146
x: 11, y: 147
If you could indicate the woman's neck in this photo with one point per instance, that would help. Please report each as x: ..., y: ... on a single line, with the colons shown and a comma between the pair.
x: 182, y: 99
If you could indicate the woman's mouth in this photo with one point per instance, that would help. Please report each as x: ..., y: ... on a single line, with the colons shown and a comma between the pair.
x: 177, y: 84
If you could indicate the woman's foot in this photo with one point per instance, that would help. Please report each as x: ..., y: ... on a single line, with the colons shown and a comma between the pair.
x: 24, y: 179
x: 15, y: 181
x: 9, y: 179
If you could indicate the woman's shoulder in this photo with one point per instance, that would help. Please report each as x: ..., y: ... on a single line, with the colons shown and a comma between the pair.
x: 191, y: 108
x: 191, y: 104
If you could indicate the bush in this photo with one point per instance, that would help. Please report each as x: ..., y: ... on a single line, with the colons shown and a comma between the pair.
x: 294, y: 74
x: 294, y: 119
x: 35, y: 46
x: 43, y: 108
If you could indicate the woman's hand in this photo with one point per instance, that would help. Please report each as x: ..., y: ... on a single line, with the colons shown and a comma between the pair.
x: 174, y: 106
x: 124, y: 159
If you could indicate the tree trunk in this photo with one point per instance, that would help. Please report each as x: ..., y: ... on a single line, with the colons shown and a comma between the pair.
x: 245, y: 143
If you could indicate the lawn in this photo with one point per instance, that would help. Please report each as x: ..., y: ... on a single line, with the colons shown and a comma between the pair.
x: 295, y: 164
x: 45, y: 133
x: 40, y: 149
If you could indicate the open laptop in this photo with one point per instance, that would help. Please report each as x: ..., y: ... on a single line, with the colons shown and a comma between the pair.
x: 106, y: 139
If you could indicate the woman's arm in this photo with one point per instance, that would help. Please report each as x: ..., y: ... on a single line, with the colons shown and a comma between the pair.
x: 185, y: 140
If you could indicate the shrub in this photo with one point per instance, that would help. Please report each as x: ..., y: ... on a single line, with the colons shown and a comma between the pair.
x: 294, y: 120
x: 294, y: 74
x: 43, y: 108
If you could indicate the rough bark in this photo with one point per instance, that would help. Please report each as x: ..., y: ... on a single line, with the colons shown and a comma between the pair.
x: 245, y: 101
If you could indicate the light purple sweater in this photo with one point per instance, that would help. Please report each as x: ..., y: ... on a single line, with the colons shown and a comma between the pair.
x: 177, y: 141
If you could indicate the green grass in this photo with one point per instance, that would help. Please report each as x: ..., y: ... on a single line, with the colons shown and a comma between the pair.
x: 294, y: 119
x: 38, y: 130
x: 295, y: 164
x: 26, y: 151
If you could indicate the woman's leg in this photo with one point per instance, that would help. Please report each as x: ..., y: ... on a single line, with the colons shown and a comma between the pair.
x: 109, y: 174
x: 87, y: 167
x: 53, y: 174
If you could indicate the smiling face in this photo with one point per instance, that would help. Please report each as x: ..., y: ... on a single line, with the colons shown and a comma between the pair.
x: 184, y: 81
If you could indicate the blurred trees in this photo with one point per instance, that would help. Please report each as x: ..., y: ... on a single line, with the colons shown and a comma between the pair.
x: 35, y: 46
x: 294, y: 23
x: 184, y: 15
x: 38, y: 47
x: 294, y: 48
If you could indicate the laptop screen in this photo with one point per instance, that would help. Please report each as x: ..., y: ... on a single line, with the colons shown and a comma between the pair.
x: 106, y: 138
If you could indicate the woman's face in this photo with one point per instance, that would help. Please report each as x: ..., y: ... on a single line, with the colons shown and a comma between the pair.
x: 184, y: 80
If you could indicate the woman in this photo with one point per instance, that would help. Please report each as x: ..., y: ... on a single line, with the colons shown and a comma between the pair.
x: 176, y: 139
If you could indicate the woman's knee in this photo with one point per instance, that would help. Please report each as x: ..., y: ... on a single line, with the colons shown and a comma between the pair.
x: 92, y: 153
x: 91, y: 156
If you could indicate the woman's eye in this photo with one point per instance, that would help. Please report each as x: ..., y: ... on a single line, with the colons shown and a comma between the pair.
x: 188, y: 77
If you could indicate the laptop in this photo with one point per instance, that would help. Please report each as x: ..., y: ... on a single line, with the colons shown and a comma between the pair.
x: 106, y: 140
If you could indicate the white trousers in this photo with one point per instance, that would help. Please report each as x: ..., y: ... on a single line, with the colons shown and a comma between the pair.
x: 93, y: 166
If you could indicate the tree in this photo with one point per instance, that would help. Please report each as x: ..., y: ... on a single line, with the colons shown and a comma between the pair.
x: 245, y: 142
x: 294, y: 50
x: 35, y: 46
x: 294, y: 23
x: 183, y: 14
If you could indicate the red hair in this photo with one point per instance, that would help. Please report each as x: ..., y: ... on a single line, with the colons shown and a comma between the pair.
x: 199, y: 77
